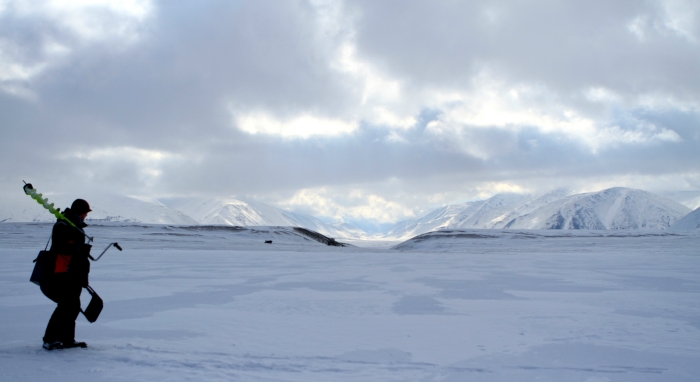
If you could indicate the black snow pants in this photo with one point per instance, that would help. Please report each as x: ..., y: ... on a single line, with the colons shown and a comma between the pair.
x: 61, y: 326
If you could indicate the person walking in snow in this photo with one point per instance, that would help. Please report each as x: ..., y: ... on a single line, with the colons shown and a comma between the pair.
x: 64, y: 283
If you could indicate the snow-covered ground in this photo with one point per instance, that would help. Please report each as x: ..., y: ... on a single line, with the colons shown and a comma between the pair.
x: 216, y: 303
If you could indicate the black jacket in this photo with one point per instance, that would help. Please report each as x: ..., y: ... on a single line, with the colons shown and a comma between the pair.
x: 71, y: 253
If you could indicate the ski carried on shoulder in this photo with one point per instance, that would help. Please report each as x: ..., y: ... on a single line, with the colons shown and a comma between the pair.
x: 60, y: 345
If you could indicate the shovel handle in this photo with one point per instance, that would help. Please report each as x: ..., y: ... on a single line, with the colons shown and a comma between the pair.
x: 103, y: 252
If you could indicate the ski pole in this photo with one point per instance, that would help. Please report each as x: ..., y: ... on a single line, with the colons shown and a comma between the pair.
x: 103, y: 252
x: 29, y: 190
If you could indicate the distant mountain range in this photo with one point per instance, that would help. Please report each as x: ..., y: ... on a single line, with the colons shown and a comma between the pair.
x: 250, y: 213
x: 106, y: 208
x: 131, y: 209
x: 614, y: 208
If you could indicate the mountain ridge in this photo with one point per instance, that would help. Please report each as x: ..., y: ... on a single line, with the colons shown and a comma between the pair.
x: 612, y: 208
x: 230, y: 211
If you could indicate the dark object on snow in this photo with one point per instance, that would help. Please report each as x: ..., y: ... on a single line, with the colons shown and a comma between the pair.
x: 268, y: 241
x: 57, y: 345
x: 94, y: 307
x: 318, y: 237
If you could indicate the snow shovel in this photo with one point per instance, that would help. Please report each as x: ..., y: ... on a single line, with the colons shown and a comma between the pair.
x: 94, y: 307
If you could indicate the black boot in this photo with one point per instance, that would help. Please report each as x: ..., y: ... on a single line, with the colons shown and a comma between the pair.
x: 53, y: 345
x: 74, y: 344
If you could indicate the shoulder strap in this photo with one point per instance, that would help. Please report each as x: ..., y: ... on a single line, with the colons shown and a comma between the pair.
x: 47, y: 243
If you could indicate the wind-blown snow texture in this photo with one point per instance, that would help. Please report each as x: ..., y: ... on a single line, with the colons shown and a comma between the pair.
x: 614, y: 208
x: 217, y: 304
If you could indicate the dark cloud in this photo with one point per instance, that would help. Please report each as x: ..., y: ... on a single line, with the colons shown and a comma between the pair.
x: 566, y: 45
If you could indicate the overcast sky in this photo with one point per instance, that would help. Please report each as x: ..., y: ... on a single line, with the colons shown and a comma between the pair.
x: 364, y: 110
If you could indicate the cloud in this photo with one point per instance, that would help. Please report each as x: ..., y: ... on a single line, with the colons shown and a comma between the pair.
x: 358, y: 109
x: 39, y: 35
x: 681, y: 17
x: 352, y: 204
x: 371, y: 96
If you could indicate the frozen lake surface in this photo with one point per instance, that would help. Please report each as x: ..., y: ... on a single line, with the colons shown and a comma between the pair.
x: 208, y: 303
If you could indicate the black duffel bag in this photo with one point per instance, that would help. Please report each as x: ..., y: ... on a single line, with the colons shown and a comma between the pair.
x: 40, y: 263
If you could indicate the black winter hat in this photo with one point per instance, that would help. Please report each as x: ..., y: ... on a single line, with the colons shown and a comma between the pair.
x: 80, y: 207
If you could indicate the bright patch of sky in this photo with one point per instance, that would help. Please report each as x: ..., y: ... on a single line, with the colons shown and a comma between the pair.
x: 148, y: 164
x: 303, y: 126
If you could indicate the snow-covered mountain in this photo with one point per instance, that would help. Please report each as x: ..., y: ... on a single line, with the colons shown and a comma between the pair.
x: 250, y: 213
x: 688, y: 222
x: 494, y: 212
x: 488, y: 213
x: 528, y: 207
x: 437, y: 219
x: 614, y: 208
x: 114, y: 208
x: 349, y: 230
x: 135, y: 209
